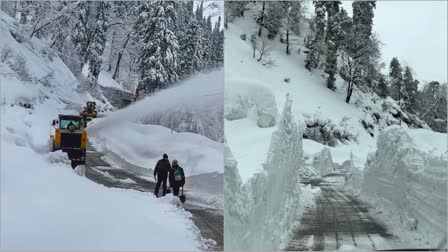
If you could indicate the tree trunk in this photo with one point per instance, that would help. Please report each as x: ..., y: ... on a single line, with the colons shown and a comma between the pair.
x: 225, y: 22
x: 349, y: 91
x: 120, y: 54
x: 262, y: 19
x: 287, y: 33
x: 117, y: 68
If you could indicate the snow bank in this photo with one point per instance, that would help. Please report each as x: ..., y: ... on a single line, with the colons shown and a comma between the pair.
x: 407, y: 179
x: 143, y: 145
x: 269, y: 204
x: 241, y: 96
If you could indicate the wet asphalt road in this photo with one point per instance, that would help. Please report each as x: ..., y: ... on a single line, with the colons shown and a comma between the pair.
x: 338, y: 219
x: 208, y: 220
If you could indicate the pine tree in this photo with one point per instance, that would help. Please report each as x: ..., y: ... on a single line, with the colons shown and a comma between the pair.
x: 89, y: 35
x: 396, y: 80
x: 157, y: 60
x: 233, y: 9
x: 200, y: 12
x: 296, y: 16
x: 333, y: 41
x: 357, y: 51
x: 362, y: 30
x: 98, y: 40
x: 275, y: 11
x: 192, y: 49
x: 217, y: 44
x: 82, y: 31
x: 383, y: 89
x: 207, y: 41
x: 411, y: 89
x: 316, y: 45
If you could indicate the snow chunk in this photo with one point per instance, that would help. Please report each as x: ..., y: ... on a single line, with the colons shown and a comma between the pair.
x: 241, y: 96
x: 323, y: 162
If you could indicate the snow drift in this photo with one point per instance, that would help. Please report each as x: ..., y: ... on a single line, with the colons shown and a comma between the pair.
x: 143, y: 145
x: 407, y: 179
x: 268, y: 205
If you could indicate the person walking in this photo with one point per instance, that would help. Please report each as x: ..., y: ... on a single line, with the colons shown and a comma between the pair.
x: 176, y: 177
x: 161, y: 171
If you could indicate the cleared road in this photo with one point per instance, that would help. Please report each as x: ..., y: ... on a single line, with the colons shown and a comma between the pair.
x: 208, y: 220
x: 339, y: 219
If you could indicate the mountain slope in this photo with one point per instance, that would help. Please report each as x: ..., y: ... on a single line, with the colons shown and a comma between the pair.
x: 44, y: 204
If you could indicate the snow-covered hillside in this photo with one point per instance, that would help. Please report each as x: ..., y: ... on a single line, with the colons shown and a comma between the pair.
x: 44, y: 204
x: 314, y: 104
x: 338, y: 136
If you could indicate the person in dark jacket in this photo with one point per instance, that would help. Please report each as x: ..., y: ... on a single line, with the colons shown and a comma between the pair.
x: 161, y: 174
x: 177, y: 177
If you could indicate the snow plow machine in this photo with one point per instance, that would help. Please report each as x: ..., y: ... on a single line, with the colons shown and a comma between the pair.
x: 70, y: 137
x: 89, y: 111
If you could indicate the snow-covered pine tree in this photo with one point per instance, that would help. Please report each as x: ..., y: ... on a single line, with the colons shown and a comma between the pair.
x: 200, y: 12
x: 89, y: 35
x: 362, y: 30
x: 192, y: 50
x: 316, y: 44
x: 332, y: 40
x: 233, y: 9
x: 185, y: 14
x: 296, y: 16
x: 81, y: 32
x: 97, y: 40
x: 396, y: 80
x: 411, y: 88
x: 217, y: 44
x: 207, y: 42
x: 275, y: 12
x: 157, y: 60
x: 383, y: 89
x: 356, y: 49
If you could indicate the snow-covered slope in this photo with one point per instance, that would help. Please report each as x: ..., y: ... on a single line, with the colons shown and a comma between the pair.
x: 347, y: 128
x: 44, y: 205
x: 135, y: 133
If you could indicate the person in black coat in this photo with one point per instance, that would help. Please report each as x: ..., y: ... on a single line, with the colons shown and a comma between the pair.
x: 161, y: 171
x: 176, y: 177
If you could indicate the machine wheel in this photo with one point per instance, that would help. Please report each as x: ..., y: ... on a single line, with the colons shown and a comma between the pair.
x: 74, y: 164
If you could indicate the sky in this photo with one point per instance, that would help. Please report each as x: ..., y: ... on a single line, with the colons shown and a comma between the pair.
x: 416, y: 33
